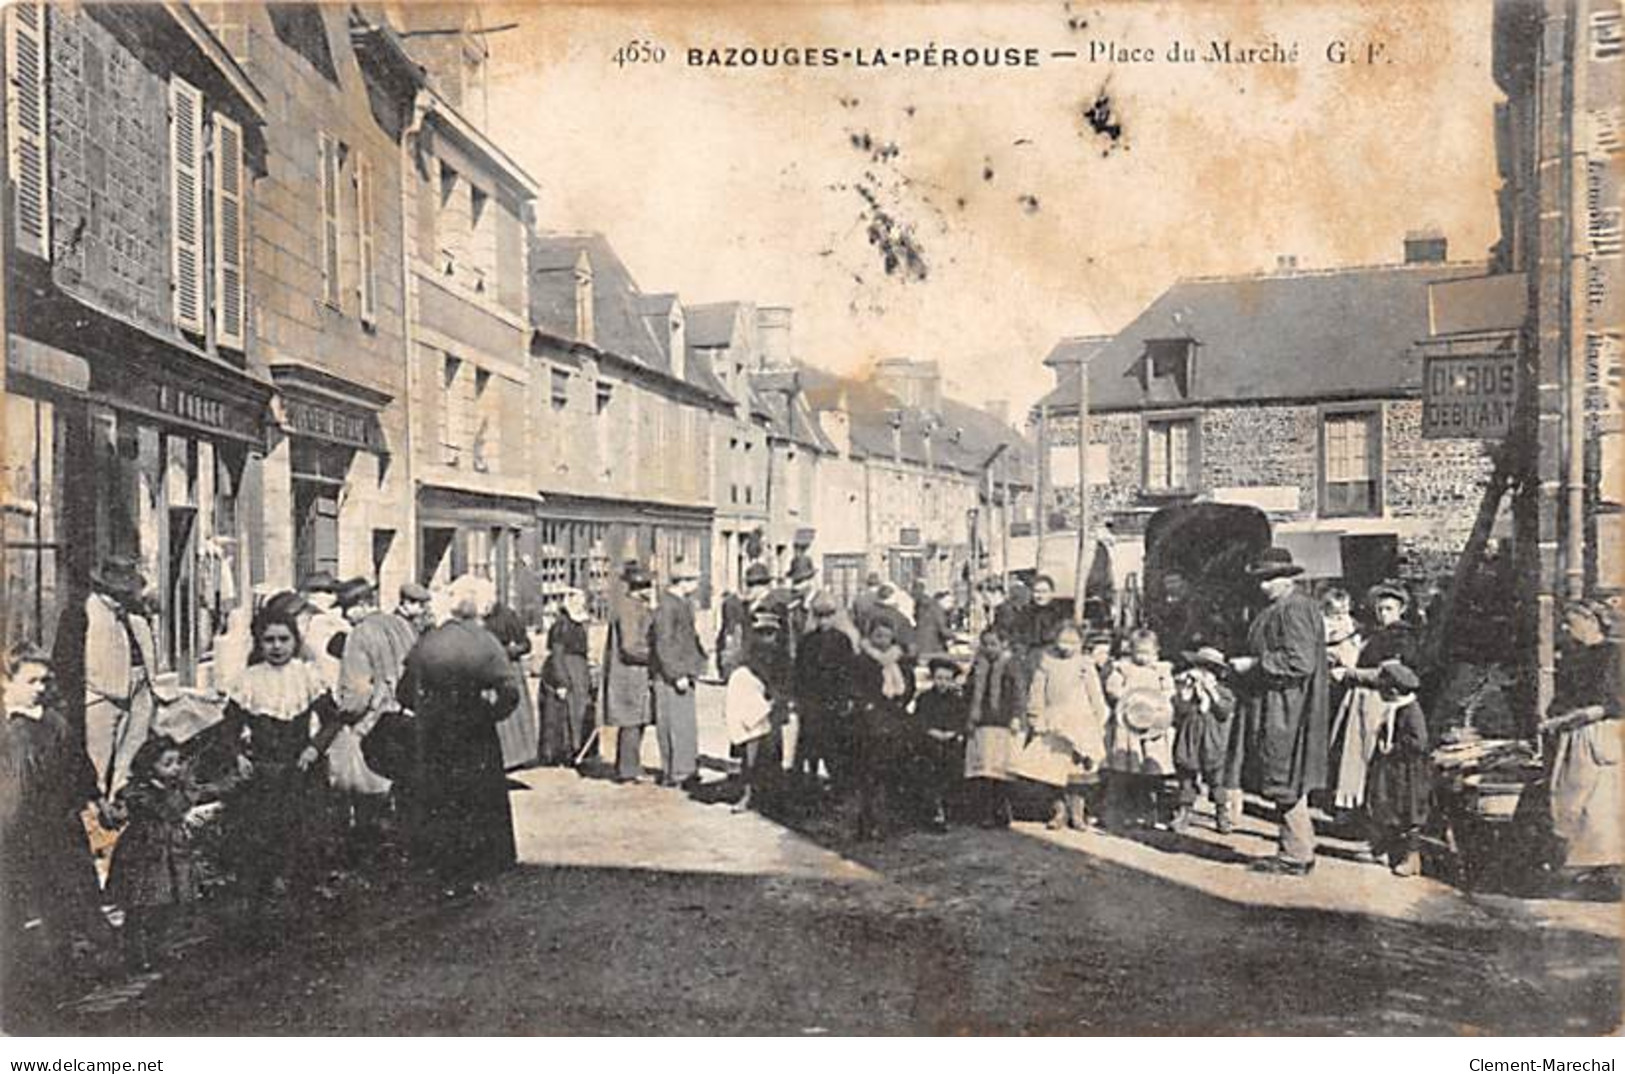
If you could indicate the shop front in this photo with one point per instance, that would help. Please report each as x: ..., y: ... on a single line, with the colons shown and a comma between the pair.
x: 462, y: 532
x: 583, y: 542
x: 347, y: 520
x: 156, y: 455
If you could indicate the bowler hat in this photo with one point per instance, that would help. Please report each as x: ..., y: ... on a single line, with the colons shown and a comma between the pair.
x: 416, y: 593
x: 353, y: 591
x: 319, y: 582
x: 1273, y: 562
x: 757, y: 574
x: 636, y: 577
x: 120, y: 575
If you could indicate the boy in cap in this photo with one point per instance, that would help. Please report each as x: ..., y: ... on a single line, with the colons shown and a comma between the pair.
x: 1399, y: 783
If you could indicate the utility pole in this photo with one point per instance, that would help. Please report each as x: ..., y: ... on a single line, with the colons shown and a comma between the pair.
x: 1080, y: 577
x: 1042, y: 482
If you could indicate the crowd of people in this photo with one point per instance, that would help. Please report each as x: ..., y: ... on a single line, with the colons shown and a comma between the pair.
x: 349, y: 740
x: 347, y: 743
x: 1087, y: 727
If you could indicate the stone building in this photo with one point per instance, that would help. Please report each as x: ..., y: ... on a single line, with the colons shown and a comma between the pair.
x: 328, y: 297
x: 135, y: 403
x: 465, y: 205
x: 622, y: 424
x: 1297, y: 392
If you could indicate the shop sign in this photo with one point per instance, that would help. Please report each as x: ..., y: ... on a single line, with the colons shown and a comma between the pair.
x: 199, y: 410
x: 1469, y: 397
x: 354, y: 428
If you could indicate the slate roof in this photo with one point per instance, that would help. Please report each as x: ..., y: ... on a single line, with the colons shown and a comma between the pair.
x: 770, y: 390
x: 1342, y: 333
x: 712, y: 324
x: 963, y: 439
x: 620, y: 324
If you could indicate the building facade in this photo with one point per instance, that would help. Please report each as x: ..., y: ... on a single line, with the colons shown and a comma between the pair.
x: 328, y: 295
x: 623, y: 425
x: 135, y: 404
x: 1296, y: 392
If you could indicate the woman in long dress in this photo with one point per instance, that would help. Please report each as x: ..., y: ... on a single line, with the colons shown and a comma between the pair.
x: 519, y: 731
x: 460, y: 684
x: 566, y: 684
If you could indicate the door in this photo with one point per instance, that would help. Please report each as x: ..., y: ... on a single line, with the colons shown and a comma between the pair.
x: 315, y: 529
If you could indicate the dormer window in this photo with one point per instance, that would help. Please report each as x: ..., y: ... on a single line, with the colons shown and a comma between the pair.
x: 1166, y: 371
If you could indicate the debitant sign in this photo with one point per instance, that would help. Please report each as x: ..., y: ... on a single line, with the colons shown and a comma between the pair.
x: 1469, y: 397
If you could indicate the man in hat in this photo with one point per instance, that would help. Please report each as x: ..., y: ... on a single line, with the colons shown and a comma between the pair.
x: 737, y: 610
x: 1282, y: 682
x: 676, y: 662
x: 413, y: 606
x: 369, y: 672
x: 320, y: 590
x: 866, y: 603
x: 105, y: 658
x: 626, y: 671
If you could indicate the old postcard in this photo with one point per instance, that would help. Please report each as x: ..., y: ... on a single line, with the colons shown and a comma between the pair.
x: 818, y: 518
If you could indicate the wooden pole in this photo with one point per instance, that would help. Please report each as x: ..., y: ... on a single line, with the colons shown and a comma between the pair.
x: 1080, y: 579
x: 1042, y: 481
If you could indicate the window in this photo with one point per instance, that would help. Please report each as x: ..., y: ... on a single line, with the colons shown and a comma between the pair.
x: 1351, y: 445
x: 365, y: 225
x: 561, y: 388
x: 1171, y: 455
x: 1166, y: 372
x: 1607, y: 34
x: 328, y: 165
x: 228, y: 233
x: 186, y: 203
x: 451, y: 411
x: 27, y: 125
x: 606, y: 393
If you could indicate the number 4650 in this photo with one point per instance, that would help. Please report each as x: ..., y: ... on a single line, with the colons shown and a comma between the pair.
x: 639, y: 52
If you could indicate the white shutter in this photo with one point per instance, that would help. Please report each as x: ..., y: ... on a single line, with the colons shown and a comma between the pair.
x: 329, y: 167
x: 367, y: 288
x: 228, y: 233
x: 27, y: 125
x: 186, y: 202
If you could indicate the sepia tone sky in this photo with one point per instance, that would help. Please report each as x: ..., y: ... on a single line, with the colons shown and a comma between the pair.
x: 745, y: 183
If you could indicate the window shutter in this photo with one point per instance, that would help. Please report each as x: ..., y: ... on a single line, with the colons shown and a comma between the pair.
x: 228, y: 233
x: 28, y: 126
x: 186, y: 202
x: 329, y: 166
x: 368, y: 288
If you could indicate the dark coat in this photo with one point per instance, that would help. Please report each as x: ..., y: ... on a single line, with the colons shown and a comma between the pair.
x: 1208, y: 744
x: 1399, y: 783
x: 564, y: 719
x: 451, y: 678
x: 1284, y: 701
x: 731, y: 634
x: 931, y: 634
x: 153, y: 860
x: 626, y: 664
x: 674, y: 643
x: 45, y: 780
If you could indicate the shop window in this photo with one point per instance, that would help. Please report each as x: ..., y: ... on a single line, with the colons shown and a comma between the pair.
x: 30, y: 516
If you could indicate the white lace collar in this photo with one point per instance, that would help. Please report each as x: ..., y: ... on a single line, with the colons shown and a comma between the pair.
x: 281, y: 693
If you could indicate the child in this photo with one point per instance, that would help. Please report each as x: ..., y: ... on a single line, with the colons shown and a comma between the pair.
x: 1343, y: 641
x: 1206, y: 741
x: 1141, y: 753
x: 940, y: 712
x: 1399, y: 783
x: 1062, y: 741
x: 996, y: 702
x: 152, y: 873
x: 882, y: 687
x: 747, y: 709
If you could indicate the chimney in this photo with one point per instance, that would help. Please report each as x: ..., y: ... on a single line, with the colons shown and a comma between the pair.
x: 1426, y: 247
x: 1286, y: 262
x: 917, y: 385
x: 773, y: 336
x: 894, y: 418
